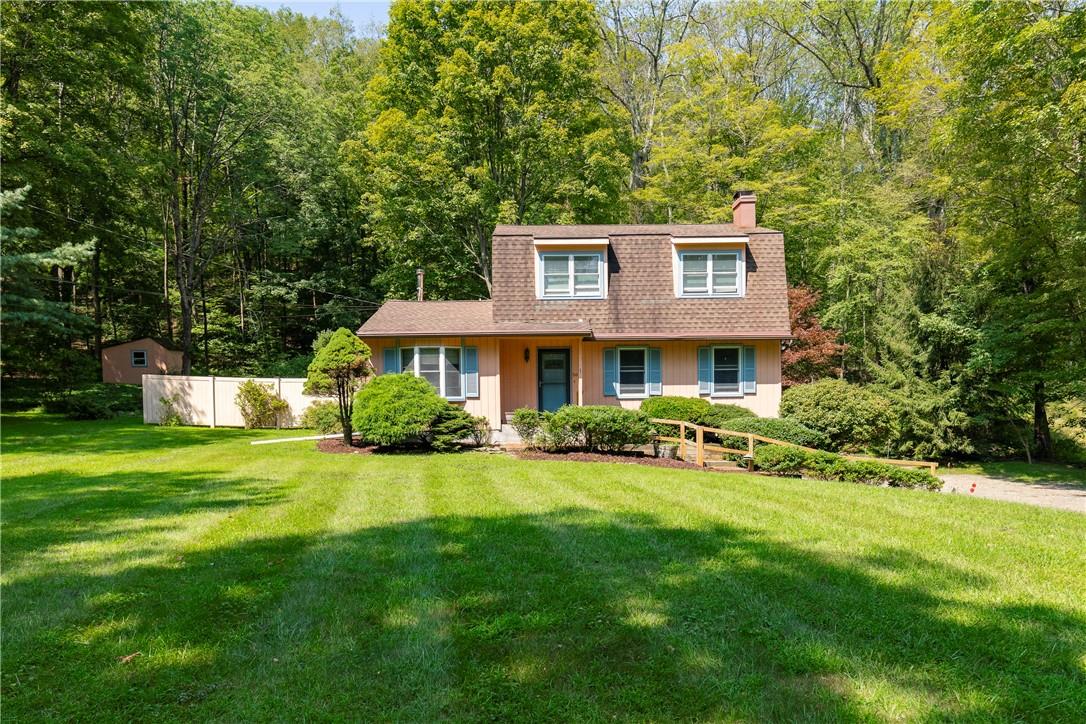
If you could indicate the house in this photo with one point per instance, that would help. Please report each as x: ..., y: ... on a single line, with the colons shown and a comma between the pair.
x: 604, y: 315
x: 128, y: 362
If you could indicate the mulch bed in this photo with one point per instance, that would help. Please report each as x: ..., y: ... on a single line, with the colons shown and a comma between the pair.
x: 335, y: 445
x: 627, y: 459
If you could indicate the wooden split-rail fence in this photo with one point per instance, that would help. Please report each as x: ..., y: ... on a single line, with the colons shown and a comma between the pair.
x: 700, y: 447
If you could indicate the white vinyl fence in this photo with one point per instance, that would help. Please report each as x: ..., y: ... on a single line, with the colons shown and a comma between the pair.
x: 210, y: 400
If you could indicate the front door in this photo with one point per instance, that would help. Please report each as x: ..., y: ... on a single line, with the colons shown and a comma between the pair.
x: 553, y: 378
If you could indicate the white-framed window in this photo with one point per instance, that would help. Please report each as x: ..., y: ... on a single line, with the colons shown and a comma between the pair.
x: 633, y: 378
x: 710, y: 273
x: 139, y: 358
x: 441, y: 366
x: 571, y: 275
x: 726, y: 361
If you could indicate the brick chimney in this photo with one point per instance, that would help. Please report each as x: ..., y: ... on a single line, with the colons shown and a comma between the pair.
x: 743, y: 209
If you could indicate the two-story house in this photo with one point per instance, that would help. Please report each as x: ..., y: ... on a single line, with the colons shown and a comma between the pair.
x: 604, y: 315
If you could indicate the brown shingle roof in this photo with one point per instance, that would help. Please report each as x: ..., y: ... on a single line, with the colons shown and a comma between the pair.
x: 398, y: 318
x: 641, y: 299
x: 590, y: 231
x: 640, y: 303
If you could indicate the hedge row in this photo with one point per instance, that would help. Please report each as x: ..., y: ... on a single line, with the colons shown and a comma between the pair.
x: 596, y: 428
x: 692, y: 409
x: 787, y: 460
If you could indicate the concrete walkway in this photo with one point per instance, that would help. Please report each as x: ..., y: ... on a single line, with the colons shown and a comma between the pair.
x: 1048, y: 495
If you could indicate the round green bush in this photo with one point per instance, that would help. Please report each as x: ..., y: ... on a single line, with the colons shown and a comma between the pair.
x: 784, y: 429
x: 718, y: 413
x: 669, y: 407
x: 852, y: 417
x: 396, y: 409
x: 322, y: 416
x: 782, y: 459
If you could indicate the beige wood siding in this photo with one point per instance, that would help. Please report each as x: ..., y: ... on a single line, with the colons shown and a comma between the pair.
x: 679, y: 362
x: 117, y: 361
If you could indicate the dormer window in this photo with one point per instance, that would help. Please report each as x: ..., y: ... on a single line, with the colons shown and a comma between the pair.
x: 571, y: 275
x: 710, y: 273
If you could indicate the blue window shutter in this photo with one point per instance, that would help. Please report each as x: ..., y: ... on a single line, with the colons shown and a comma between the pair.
x: 655, y: 376
x: 750, y: 384
x: 705, y: 370
x: 470, y: 371
x: 610, y: 372
x: 391, y: 362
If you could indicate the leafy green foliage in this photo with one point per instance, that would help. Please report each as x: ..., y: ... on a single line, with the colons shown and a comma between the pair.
x: 851, y: 416
x: 785, y: 460
x: 340, y: 367
x: 396, y: 410
x: 527, y: 422
x: 170, y: 415
x: 670, y: 407
x: 483, y: 113
x: 600, y: 428
x: 453, y: 426
x: 322, y: 416
x: 782, y: 459
x: 720, y: 413
x: 784, y: 428
x: 259, y: 405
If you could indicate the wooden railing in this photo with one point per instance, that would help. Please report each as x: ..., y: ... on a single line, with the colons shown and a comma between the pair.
x: 701, y: 447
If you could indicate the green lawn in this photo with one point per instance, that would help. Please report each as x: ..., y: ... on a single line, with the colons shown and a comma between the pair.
x: 1023, y: 472
x: 276, y: 582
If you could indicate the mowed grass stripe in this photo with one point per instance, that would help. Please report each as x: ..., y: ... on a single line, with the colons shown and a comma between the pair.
x: 675, y: 662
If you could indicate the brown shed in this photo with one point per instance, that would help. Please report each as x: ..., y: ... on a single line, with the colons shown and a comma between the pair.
x: 127, y: 362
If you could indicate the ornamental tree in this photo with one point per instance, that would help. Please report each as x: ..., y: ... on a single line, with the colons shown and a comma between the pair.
x: 342, y: 366
x: 813, y: 352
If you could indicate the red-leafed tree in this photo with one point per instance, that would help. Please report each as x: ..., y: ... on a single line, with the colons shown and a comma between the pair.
x: 814, y: 352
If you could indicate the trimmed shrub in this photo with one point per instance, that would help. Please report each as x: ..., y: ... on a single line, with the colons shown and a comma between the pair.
x: 851, y: 416
x: 450, y: 428
x: 670, y: 407
x: 783, y: 428
x: 719, y: 413
x: 781, y: 459
x: 785, y: 460
x: 322, y: 416
x: 528, y: 423
x: 259, y: 405
x: 396, y: 409
x: 600, y: 428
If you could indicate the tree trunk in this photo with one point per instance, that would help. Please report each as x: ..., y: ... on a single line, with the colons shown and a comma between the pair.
x: 203, y: 304
x: 1042, y: 436
x: 343, y: 391
x: 186, y: 330
x: 96, y: 297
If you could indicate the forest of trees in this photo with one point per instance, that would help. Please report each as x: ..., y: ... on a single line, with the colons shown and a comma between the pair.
x: 238, y: 180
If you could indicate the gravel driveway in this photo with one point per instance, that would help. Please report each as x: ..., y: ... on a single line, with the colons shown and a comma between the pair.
x: 1049, y: 495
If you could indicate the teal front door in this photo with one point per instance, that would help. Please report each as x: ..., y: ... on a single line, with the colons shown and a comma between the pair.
x: 553, y: 378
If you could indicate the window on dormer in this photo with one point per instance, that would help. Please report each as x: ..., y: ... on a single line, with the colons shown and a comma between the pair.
x: 710, y: 273
x: 566, y: 275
